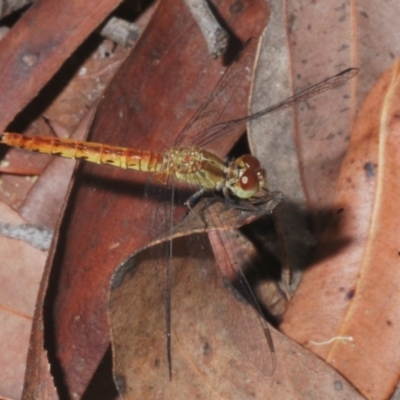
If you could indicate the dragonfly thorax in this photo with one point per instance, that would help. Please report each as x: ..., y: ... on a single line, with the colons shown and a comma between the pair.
x: 243, y: 177
x: 196, y: 166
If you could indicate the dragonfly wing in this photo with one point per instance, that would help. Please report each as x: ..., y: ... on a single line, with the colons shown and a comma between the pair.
x: 218, y: 130
x: 249, y: 330
x: 212, y: 110
x: 239, y: 318
x: 161, y: 188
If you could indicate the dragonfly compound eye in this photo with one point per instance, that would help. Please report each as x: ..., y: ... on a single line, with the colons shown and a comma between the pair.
x: 252, y: 176
x: 249, y: 162
x: 248, y: 184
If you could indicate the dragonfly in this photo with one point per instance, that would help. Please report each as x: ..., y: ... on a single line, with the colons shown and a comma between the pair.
x: 188, y: 160
x: 243, y: 177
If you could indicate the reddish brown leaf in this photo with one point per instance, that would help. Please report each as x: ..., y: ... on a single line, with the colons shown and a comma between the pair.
x: 36, y: 47
x: 167, y: 76
x: 346, y: 309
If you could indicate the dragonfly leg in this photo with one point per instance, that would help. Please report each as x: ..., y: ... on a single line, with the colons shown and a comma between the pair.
x: 192, y: 200
x: 229, y: 199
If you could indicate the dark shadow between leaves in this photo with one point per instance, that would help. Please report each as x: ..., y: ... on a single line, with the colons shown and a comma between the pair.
x: 102, y: 385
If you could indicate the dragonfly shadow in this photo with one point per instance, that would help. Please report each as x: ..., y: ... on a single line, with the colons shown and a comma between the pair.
x: 276, y: 248
x: 310, y: 233
x: 333, y: 227
x: 126, y: 186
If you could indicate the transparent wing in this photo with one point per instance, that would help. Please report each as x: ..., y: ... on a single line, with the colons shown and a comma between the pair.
x: 202, y: 129
x: 248, y: 328
x: 161, y: 188
x: 220, y: 129
x: 209, y: 113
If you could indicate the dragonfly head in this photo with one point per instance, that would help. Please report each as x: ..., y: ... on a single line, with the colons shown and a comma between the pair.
x: 250, y: 177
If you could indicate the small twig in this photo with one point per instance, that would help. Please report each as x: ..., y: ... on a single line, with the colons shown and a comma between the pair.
x: 9, y: 6
x: 121, y: 31
x: 37, y: 236
x: 215, y: 36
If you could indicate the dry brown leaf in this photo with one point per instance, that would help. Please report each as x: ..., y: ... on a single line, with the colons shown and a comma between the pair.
x: 303, y: 153
x: 219, y: 349
x: 304, y: 144
x: 346, y: 309
x: 21, y: 270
